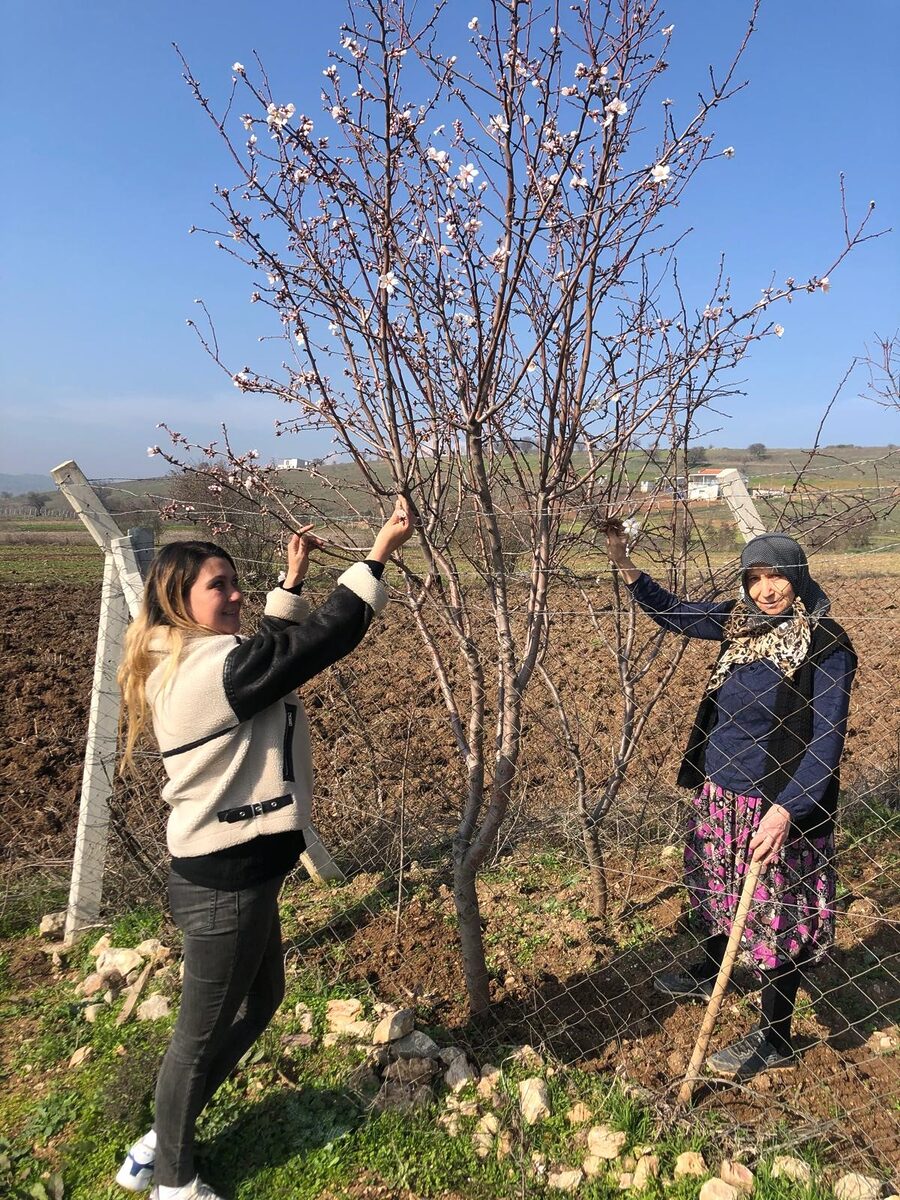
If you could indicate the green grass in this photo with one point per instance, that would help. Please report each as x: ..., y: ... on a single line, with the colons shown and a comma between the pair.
x: 288, y: 1124
x: 49, y: 563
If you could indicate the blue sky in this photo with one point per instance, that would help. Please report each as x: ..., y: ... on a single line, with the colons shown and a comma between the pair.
x: 108, y: 162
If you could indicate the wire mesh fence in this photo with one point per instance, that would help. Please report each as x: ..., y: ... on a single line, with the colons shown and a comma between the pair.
x: 572, y: 970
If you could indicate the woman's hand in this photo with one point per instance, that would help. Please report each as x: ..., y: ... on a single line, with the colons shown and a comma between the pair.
x: 617, y: 549
x: 396, y: 530
x: 771, y: 834
x: 299, y: 548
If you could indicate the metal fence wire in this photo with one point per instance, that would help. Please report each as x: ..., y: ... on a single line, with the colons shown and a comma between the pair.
x: 585, y: 988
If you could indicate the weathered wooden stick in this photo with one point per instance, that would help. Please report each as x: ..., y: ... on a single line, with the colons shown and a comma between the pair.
x: 715, y: 1001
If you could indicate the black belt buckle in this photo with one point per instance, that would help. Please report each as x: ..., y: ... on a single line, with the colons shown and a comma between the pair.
x: 246, y: 812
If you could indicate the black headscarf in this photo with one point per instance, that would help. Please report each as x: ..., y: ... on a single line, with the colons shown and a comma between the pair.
x: 781, y: 552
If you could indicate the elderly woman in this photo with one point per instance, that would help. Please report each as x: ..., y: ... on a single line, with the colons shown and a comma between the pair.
x: 762, y: 759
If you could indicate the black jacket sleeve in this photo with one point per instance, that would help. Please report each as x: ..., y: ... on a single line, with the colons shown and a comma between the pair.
x: 282, y: 655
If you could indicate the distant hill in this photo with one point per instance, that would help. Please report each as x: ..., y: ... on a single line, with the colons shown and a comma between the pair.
x: 17, y: 484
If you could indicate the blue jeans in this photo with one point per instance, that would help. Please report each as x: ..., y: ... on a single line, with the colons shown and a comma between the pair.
x: 233, y: 985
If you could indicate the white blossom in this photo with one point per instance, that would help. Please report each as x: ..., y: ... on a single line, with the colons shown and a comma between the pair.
x: 439, y: 157
x: 499, y: 122
x: 631, y: 528
x: 473, y: 24
x: 388, y: 282
x: 712, y: 314
x: 778, y: 330
x: 278, y: 115
x: 578, y: 181
x: 333, y: 328
x: 339, y: 113
x: 532, y: 367
x: 466, y: 175
x: 499, y: 257
x: 247, y: 121
x: 728, y: 152
x: 668, y: 100
x: 238, y: 68
x: 617, y: 107
x: 667, y: 32
x: 152, y: 451
x: 660, y: 173
x: 581, y: 71
x: 824, y: 283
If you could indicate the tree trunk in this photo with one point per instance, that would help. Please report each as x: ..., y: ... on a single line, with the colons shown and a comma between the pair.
x: 468, y: 912
x: 596, y: 867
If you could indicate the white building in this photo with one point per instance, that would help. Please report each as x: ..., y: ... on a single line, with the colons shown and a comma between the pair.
x: 704, y: 484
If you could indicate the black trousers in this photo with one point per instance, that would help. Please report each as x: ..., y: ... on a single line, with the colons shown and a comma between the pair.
x: 233, y: 985
x: 779, y: 991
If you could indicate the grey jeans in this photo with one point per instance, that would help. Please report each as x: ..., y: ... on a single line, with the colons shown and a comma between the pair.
x: 233, y: 985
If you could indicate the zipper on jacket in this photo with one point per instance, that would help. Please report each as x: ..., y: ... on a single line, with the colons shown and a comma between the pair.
x: 287, y: 757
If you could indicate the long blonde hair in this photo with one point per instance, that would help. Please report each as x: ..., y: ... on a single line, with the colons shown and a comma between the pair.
x: 165, y: 607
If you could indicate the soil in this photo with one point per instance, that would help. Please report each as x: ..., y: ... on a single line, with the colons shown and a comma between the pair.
x: 388, y: 788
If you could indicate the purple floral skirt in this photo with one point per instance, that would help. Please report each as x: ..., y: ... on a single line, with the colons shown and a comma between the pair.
x: 792, y: 915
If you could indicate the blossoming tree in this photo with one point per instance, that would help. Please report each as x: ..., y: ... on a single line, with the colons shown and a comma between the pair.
x: 470, y: 259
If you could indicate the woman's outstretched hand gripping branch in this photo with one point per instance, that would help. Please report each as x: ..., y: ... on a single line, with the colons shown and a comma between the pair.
x: 396, y: 530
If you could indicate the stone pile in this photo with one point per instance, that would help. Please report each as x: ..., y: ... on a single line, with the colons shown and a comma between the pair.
x: 118, y: 972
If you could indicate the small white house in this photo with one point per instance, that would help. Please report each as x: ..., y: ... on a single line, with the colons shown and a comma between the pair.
x: 704, y: 484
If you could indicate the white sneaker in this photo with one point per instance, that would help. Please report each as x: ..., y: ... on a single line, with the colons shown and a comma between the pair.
x: 136, y: 1172
x: 195, y: 1190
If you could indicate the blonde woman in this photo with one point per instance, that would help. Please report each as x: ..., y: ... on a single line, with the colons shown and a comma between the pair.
x: 235, y: 744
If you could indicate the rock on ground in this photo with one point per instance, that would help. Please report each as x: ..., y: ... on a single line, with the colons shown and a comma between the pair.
x: 119, y: 959
x: 691, y: 1162
x: 153, y: 1008
x: 604, y: 1142
x: 857, y: 1187
x: 579, y: 1114
x: 419, y: 1045
x: 81, y: 1055
x: 53, y: 926
x: 393, y: 1026
x: 395, y: 1097
x: 566, y: 1180
x: 785, y: 1166
x: 647, y: 1168
x: 718, y: 1189
x: 411, y: 1070
x: 534, y: 1100
x: 740, y: 1177
x: 459, y: 1073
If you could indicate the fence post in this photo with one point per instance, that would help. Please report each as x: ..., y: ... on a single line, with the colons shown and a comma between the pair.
x: 738, y: 499
x: 142, y: 541
x: 86, y: 886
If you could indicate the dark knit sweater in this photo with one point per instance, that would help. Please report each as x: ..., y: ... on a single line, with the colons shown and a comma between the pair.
x: 758, y: 733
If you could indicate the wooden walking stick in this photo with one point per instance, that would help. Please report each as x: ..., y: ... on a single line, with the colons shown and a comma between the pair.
x: 715, y: 1001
